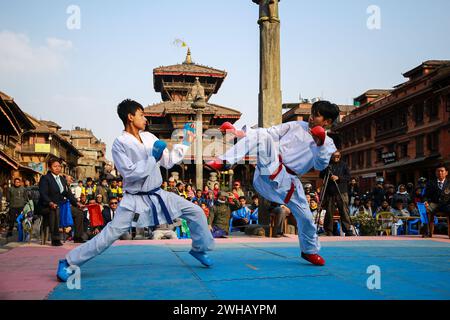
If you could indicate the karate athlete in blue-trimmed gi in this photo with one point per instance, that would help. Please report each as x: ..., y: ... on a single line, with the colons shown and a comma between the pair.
x: 137, y: 156
x: 284, y: 152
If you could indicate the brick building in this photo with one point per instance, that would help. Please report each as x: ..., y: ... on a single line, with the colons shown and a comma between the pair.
x: 93, y: 162
x: 403, y: 133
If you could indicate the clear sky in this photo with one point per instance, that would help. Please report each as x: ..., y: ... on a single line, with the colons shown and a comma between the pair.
x: 77, y: 77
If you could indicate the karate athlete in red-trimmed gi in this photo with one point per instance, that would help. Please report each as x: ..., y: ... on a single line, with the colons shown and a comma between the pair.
x: 137, y: 156
x: 284, y: 152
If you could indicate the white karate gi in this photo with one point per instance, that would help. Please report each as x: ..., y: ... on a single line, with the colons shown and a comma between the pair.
x: 299, y: 153
x: 141, y: 173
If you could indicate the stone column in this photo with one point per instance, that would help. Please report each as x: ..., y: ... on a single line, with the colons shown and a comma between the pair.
x: 269, y: 100
x: 199, y: 104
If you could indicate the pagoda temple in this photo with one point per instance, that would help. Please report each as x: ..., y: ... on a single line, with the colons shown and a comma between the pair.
x: 177, y: 85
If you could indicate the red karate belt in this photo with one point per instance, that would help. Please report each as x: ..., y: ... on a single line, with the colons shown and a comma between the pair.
x: 277, y: 172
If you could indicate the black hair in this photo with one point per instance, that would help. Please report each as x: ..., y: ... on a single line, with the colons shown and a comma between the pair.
x: 80, y: 181
x: 52, y: 160
x: 328, y: 110
x: 113, y: 198
x: 17, y: 179
x: 242, y: 197
x: 442, y: 165
x: 255, y: 197
x: 127, y: 107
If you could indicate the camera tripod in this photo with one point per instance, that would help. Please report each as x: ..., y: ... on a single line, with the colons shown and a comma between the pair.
x: 326, y: 180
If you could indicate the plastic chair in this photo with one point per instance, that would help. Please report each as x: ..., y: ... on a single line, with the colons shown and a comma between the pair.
x: 386, y: 220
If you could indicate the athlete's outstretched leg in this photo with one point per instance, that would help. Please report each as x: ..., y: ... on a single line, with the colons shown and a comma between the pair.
x: 113, y: 230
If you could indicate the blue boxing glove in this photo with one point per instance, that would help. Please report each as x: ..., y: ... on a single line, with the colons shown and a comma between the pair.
x: 188, y: 130
x: 158, y: 148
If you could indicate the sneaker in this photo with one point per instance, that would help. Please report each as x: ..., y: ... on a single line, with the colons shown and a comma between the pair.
x: 64, y: 271
x: 202, y: 257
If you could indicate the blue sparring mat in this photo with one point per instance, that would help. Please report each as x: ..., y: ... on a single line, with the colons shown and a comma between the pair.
x: 409, y: 269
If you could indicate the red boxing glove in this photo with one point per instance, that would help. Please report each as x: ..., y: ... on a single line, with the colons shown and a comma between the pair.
x: 319, y: 134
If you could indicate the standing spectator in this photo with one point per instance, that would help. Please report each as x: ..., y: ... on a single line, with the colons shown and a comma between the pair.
x: 390, y: 192
x: 77, y: 215
x: 219, y: 217
x: 216, y: 191
x: 337, y: 187
x: 120, y: 186
x: 190, y: 192
x: 109, y: 212
x: 240, y: 192
x: 205, y: 191
x: 171, y: 187
x: 103, y: 190
x: 79, y: 190
x: 378, y: 194
x: 114, y: 190
x: 53, y: 191
x: 90, y: 189
x: 353, y: 190
x: 17, y: 198
x: 401, y: 194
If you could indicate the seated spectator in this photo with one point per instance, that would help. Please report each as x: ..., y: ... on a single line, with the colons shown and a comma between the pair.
x: 190, y: 192
x: 418, y: 195
x: 355, y: 207
x: 412, y: 209
x: 210, y: 200
x: 254, y: 207
x: 367, y: 207
x: 164, y: 185
x: 241, y: 216
x: 198, y: 197
x: 109, y: 212
x: 235, y: 193
x: 205, y: 209
x: 399, y: 210
x: 314, y: 207
x: 280, y: 212
x: 401, y: 194
x: 165, y: 231
x: 180, y: 190
x: 385, y: 207
x: 90, y: 189
x: 219, y: 216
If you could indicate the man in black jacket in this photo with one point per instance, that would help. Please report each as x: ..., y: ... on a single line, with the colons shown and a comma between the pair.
x: 339, y: 178
x: 437, y: 197
x: 53, y: 190
x: 109, y: 212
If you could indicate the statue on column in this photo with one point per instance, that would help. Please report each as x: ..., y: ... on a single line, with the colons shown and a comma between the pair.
x: 268, y: 10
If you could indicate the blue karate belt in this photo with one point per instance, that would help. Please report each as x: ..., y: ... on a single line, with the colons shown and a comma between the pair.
x: 161, y: 203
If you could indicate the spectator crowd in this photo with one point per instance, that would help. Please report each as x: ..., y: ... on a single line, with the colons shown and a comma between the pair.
x: 77, y: 211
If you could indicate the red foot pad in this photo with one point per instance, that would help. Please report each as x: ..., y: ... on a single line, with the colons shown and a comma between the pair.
x: 318, y: 133
x: 215, y: 164
x: 315, y: 259
x: 228, y: 127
